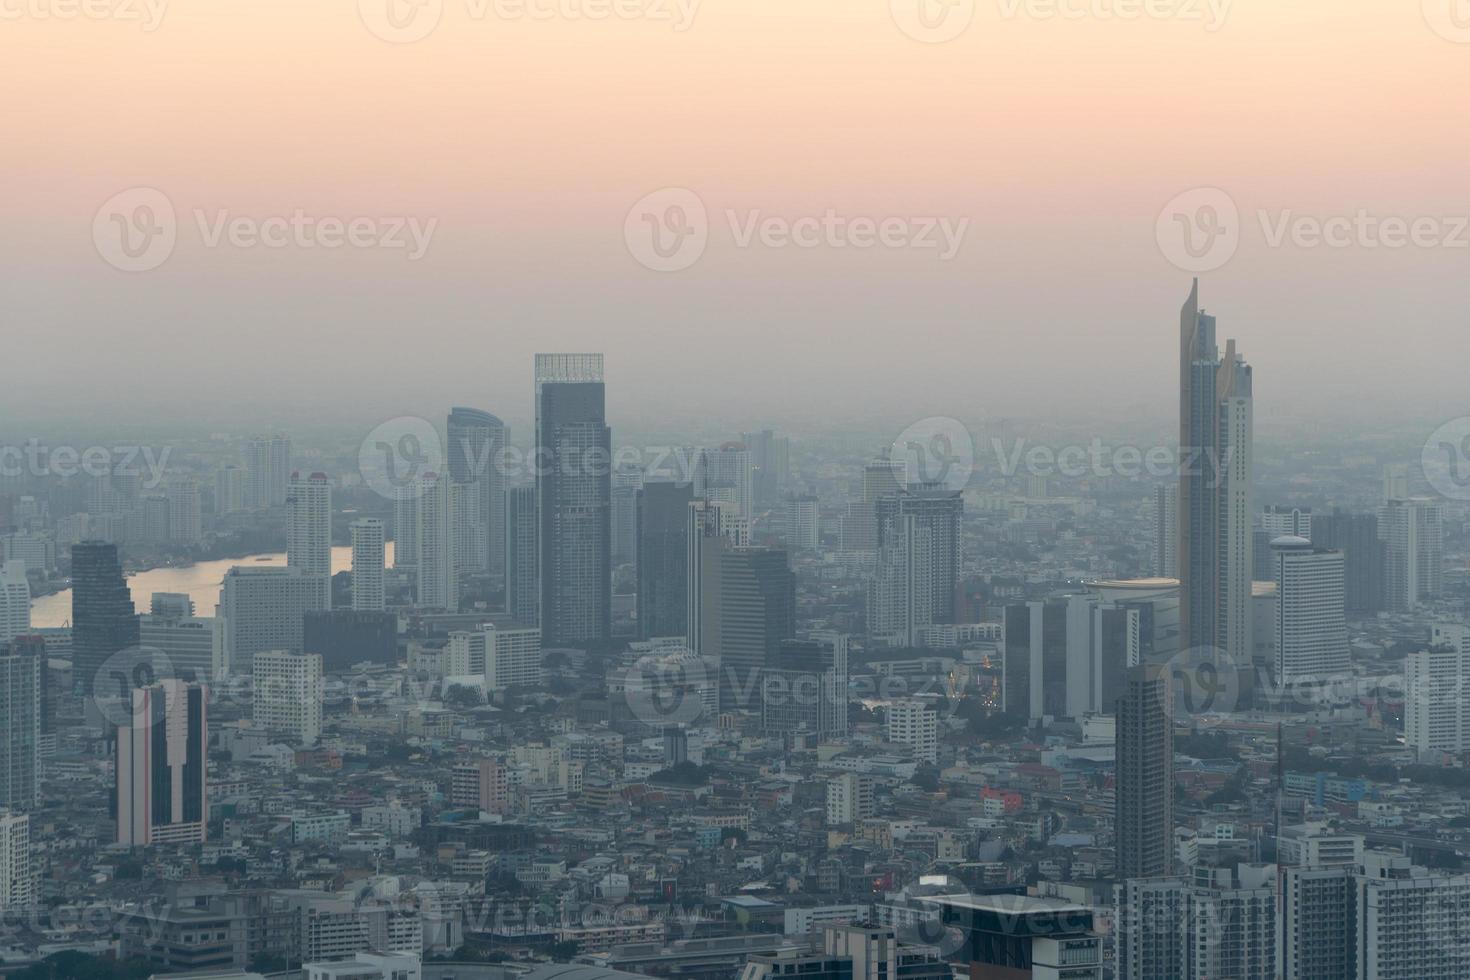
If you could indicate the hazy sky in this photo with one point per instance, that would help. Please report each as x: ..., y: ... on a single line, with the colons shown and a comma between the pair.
x: 528, y: 140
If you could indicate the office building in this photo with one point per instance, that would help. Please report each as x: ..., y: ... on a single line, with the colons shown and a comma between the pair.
x: 1017, y: 937
x: 713, y: 529
x: 1143, y: 824
x: 803, y: 525
x: 574, y: 499
x: 160, y: 772
x: 102, y: 615
x: 264, y: 608
x: 1214, y: 516
x: 287, y: 695
x: 725, y: 476
x: 663, y: 559
x: 805, y: 688
x: 369, y: 546
x: 770, y: 467
x: 477, y: 441
x: 512, y: 657
x: 757, y: 602
x: 185, y: 513
x: 309, y: 529
x: 1412, y: 530
x: 627, y: 481
x: 193, y: 646
x: 345, y: 637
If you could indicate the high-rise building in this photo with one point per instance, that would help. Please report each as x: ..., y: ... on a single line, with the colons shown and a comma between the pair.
x: 850, y: 798
x: 229, y: 489
x: 1216, y: 543
x: 1019, y: 937
x: 574, y: 498
x: 161, y: 770
x: 345, y: 637
x: 476, y: 442
x: 1143, y: 824
x: 1165, y: 558
x: 663, y: 559
x: 1356, y: 536
x: 1280, y: 521
x: 512, y: 657
x: 368, y: 559
x: 484, y: 785
x: 185, y: 513
x: 193, y: 646
x: 438, y: 570
x: 901, y: 593
x: 15, y: 601
x: 17, y: 863
x: 770, y: 466
x: 309, y: 529
x: 1311, y: 628
x: 264, y: 608
x: 713, y: 529
x: 286, y: 695
x: 102, y: 615
x: 724, y: 475
x: 1412, y: 530
x: 805, y: 688
x: 267, y: 471
x: 1222, y: 924
x: 522, y: 558
x: 938, y: 512
x: 627, y: 481
x: 1067, y: 657
x: 406, y: 526
x: 803, y: 524
x: 22, y: 676
x: 757, y: 601
x: 914, y: 723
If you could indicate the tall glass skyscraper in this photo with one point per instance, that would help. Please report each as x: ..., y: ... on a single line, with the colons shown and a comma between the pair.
x: 573, y: 461
x: 476, y: 439
x: 103, y: 620
x: 663, y: 559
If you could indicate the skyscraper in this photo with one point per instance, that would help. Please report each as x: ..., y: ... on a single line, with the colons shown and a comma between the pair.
x: 1165, y: 563
x: 229, y: 489
x: 627, y: 481
x: 770, y: 461
x: 937, y: 511
x: 264, y: 608
x: 757, y: 600
x: 160, y: 775
x: 573, y: 498
x: 713, y: 529
x: 102, y: 616
x: 15, y: 601
x: 522, y: 580
x: 1143, y: 824
x: 438, y: 570
x: 406, y: 526
x: 901, y: 593
x: 22, y: 672
x: 1214, y: 502
x: 663, y: 559
x: 805, y: 688
x: 185, y: 513
x: 368, y: 556
x: 17, y: 862
x: 309, y: 529
x: 1356, y: 536
x: 1412, y: 530
x: 476, y: 440
x: 267, y: 471
x: 1311, y: 626
x: 724, y: 475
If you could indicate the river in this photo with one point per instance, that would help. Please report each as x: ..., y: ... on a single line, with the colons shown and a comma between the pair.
x: 201, y: 581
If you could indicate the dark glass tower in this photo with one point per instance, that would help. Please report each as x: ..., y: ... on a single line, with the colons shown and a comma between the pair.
x: 663, y: 559
x: 475, y: 441
x: 103, y: 620
x: 522, y: 584
x: 573, y: 462
x: 1144, y: 784
x: 757, y: 612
